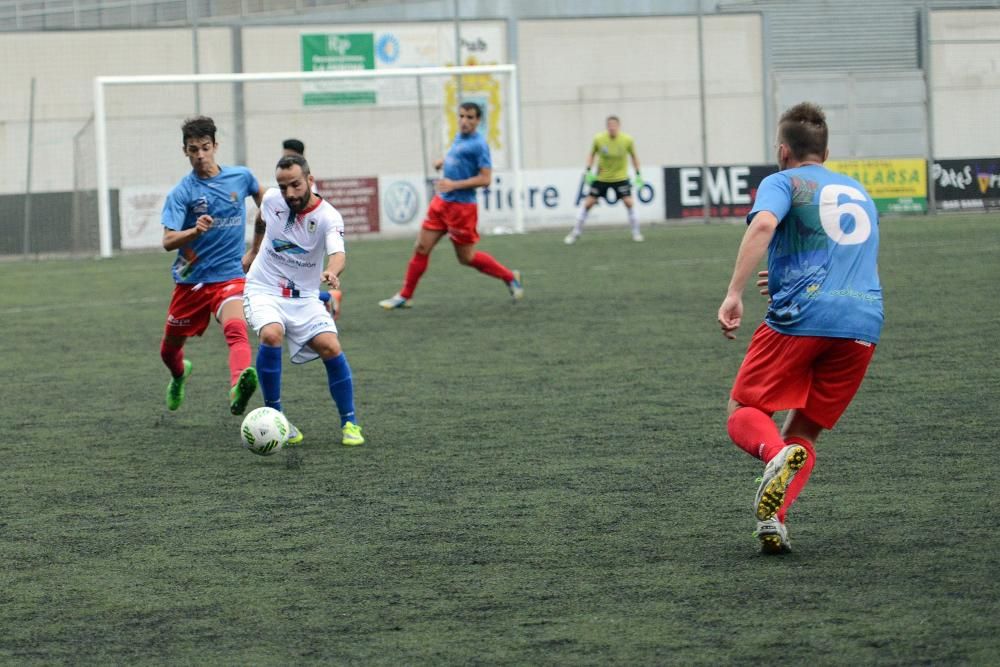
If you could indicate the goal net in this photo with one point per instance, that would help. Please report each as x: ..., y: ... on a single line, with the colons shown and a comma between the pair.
x: 84, y: 234
x: 371, y: 138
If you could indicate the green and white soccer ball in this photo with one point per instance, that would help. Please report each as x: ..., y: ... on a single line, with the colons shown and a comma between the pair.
x: 264, y: 431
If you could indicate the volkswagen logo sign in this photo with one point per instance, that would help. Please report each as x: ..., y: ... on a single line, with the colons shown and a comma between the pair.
x: 401, y: 202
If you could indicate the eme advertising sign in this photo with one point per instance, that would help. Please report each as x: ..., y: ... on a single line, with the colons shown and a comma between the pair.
x: 895, y: 185
x: 730, y: 190
x: 967, y: 185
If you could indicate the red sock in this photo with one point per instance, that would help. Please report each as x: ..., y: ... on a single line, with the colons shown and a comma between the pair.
x: 485, y: 263
x: 415, y: 269
x: 755, y: 433
x: 173, y: 357
x: 239, y: 348
x: 801, y: 477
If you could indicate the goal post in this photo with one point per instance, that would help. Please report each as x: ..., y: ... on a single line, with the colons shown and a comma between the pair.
x: 363, y: 123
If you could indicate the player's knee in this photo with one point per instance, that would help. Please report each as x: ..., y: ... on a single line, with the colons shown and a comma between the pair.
x: 798, y: 425
x: 173, y: 342
x: 272, y: 335
x: 732, y: 407
x: 327, y: 346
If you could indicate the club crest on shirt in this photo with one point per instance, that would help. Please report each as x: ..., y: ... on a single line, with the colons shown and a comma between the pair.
x: 233, y: 197
x: 311, y: 225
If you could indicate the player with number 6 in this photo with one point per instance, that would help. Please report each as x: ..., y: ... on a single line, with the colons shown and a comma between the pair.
x: 820, y: 232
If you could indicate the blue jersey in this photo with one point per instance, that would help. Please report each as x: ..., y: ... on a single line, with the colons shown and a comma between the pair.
x: 216, y: 255
x: 822, y: 261
x: 465, y: 159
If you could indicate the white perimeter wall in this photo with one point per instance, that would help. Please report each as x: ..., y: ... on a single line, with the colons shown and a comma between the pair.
x: 644, y: 70
x: 573, y: 74
x: 65, y: 64
x: 965, y: 82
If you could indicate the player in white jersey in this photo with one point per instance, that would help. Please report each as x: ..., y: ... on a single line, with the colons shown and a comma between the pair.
x: 298, y: 243
x: 331, y: 298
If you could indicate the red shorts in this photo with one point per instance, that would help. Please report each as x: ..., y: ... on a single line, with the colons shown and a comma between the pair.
x: 459, y: 219
x: 192, y: 306
x: 813, y: 374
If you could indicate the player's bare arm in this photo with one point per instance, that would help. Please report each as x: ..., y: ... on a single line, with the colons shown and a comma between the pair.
x: 480, y: 180
x: 438, y: 163
x: 752, y: 249
x: 335, y: 264
x: 172, y: 240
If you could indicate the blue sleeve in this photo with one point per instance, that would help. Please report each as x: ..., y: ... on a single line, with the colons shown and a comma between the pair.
x: 774, y: 195
x: 484, y: 156
x: 174, y: 211
x: 253, y: 187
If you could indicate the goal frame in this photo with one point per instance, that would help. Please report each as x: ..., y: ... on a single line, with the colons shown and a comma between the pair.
x: 101, y: 83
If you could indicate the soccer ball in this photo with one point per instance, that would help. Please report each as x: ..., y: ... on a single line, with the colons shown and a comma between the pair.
x: 264, y: 431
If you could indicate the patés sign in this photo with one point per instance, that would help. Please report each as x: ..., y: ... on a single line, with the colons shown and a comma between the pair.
x: 968, y: 184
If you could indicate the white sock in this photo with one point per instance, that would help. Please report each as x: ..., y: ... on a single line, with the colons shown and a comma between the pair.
x: 633, y: 219
x: 581, y: 217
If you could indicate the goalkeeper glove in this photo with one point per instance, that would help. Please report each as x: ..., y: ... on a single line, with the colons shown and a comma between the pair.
x: 589, y: 176
x: 638, y: 181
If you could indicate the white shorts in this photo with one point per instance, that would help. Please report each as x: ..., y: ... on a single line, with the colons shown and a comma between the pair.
x: 302, y: 319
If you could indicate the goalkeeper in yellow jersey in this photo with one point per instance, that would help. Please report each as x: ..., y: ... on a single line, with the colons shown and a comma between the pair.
x: 612, y: 148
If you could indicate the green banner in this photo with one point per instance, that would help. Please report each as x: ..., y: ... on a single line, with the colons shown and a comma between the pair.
x: 338, y: 51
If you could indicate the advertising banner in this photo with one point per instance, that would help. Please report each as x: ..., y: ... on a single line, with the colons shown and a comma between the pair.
x: 395, y: 204
x: 356, y: 199
x: 338, y: 51
x: 971, y: 184
x: 378, y: 47
x: 730, y: 190
x: 140, y: 209
x: 896, y: 185
x: 550, y: 197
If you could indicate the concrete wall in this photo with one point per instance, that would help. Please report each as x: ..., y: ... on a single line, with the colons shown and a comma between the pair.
x: 645, y: 70
x: 573, y: 74
x: 870, y: 114
x: 965, y: 82
x: 65, y: 64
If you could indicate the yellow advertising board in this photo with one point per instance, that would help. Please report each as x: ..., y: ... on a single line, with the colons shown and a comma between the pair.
x: 896, y: 185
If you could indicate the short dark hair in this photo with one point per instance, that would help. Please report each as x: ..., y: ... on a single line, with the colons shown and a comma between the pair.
x: 288, y: 161
x: 294, y: 145
x: 472, y: 105
x: 197, y: 127
x: 614, y: 118
x: 803, y: 129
